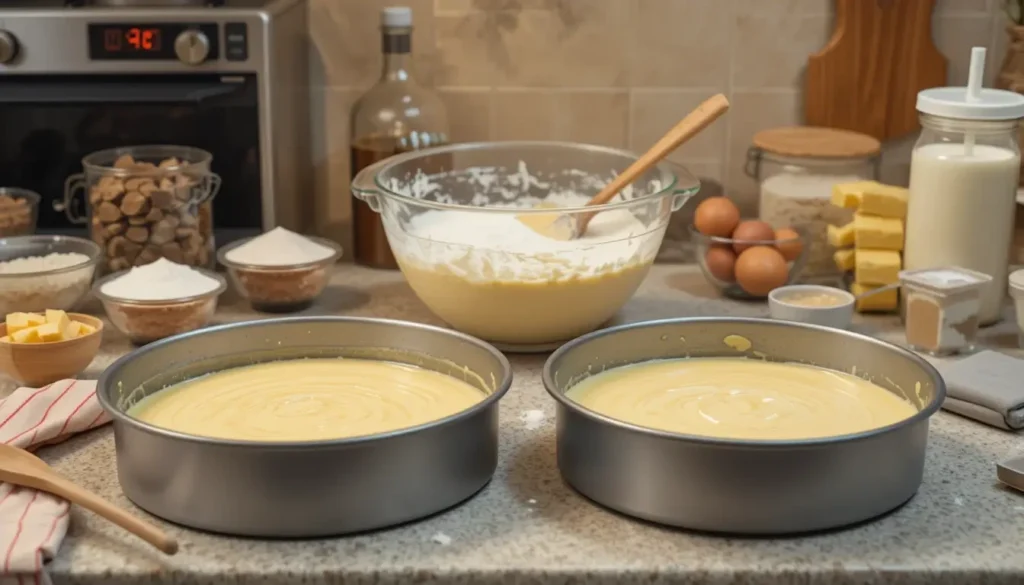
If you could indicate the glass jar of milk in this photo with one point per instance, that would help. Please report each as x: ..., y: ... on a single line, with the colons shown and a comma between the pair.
x: 963, y: 185
x: 797, y: 168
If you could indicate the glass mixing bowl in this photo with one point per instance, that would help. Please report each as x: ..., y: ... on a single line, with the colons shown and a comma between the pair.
x: 454, y: 216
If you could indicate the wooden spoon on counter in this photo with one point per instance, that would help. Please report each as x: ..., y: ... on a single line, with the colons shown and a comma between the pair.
x: 19, y: 467
x: 561, y: 226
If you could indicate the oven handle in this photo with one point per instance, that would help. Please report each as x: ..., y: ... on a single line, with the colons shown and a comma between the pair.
x: 13, y: 91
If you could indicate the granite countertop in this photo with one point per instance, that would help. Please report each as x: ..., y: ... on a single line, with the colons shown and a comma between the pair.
x: 527, y: 526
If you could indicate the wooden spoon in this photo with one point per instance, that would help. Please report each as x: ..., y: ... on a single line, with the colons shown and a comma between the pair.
x: 19, y: 467
x: 560, y: 226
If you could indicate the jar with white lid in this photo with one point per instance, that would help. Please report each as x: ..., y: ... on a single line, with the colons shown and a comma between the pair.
x: 796, y: 168
x: 963, y: 184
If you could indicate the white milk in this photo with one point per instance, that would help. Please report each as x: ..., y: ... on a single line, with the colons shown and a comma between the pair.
x: 961, y: 212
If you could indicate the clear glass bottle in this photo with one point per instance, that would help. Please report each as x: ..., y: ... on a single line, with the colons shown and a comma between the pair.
x: 396, y: 115
x: 964, y: 172
x: 796, y: 168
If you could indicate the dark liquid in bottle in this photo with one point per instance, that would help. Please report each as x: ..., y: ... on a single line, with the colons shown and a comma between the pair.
x: 371, y: 243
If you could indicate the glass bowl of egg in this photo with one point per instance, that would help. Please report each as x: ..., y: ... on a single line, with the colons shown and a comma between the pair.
x: 465, y: 225
x: 746, y: 258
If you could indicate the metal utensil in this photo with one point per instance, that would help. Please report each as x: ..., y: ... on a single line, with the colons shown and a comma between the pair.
x: 19, y: 467
x: 742, y: 486
x: 561, y: 226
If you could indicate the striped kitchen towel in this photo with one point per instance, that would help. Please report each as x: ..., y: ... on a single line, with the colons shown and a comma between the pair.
x: 33, y: 523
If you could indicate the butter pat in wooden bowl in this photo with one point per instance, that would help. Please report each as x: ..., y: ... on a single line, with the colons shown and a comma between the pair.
x: 814, y: 304
x: 37, y: 349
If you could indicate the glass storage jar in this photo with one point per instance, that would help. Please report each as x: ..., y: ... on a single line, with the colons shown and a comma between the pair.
x: 964, y: 172
x: 145, y: 203
x: 796, y: 168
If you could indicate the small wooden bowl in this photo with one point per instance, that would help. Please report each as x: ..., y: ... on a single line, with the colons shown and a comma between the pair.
x: 39, y: 364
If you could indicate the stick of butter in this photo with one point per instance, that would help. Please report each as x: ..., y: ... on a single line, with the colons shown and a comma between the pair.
x: 871, y: 197
x: 881, y: 302
x: 877, y: 266
x: 879, y: 233
x: 845, y: 259
x: 841, y: 236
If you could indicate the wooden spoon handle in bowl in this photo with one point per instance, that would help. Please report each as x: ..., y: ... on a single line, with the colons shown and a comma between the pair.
x: 699, y: 119
x: 90, y: 501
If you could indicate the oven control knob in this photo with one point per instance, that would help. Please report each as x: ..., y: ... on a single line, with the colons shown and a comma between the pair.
x: 8, y: 47
x: 192, y: 47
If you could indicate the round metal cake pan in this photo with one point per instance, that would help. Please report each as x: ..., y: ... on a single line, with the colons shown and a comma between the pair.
x: 305, y: 489
x: 742, y: 486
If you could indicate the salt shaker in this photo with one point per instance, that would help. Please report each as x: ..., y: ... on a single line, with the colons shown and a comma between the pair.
x: 963, y: 182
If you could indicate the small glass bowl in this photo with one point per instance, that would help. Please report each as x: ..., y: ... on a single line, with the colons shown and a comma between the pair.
x: 19, y: 211
x: 732, y: 289
x: 280, y: 289
x: 58, y: 288
x: 150, y: 320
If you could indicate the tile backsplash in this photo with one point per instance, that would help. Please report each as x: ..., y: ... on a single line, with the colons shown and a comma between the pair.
x: 612, y: 72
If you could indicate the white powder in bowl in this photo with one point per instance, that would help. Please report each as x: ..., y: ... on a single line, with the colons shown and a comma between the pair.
x: 279, y: 247
x: 21, y: 290
x: 162, y: 280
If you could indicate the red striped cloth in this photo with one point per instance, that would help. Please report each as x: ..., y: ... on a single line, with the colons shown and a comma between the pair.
x: 33, y: 523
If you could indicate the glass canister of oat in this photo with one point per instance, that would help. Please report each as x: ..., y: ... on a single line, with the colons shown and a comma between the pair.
x: 796, y: 168
x: 143, y: 203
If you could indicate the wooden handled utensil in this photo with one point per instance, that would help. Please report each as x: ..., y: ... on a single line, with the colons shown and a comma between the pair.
x: 561, y: 226
x: 19, y: 467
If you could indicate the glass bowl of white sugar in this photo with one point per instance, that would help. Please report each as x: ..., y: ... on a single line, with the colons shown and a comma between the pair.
x: 280, y: 271
x: 45, y: 272
x: 454, y: 217
x: 159, y: 299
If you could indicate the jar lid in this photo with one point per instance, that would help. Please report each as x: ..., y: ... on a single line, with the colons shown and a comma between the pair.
x: 817, y: 142
x: 952, y: 102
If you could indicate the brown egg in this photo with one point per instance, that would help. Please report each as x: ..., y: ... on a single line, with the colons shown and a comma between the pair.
x: 761, y: 269
x: 751, y: 230
x: 790, y: 250
x: 716, y: 216
x: 721, y: 262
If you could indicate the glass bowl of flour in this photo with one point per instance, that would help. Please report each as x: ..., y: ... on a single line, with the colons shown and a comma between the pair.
x: 452, y: 218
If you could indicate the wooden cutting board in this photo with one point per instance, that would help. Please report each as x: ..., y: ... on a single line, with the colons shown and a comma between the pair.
x: 867, y: 77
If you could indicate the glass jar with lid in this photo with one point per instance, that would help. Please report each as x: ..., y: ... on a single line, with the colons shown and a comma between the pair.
x: 796, y: 168
x: 964, y: 172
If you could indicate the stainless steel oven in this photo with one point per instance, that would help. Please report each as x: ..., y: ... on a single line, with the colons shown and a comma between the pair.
x: 228, y: 76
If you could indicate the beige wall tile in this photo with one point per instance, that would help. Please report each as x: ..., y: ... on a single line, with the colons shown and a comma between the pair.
x: 592, y: 117
x: 468, y: 49
x: 522, y: 114
x: 772, y: 51
x: 653, y: 112
x: 681, y: 43
x: 469, y: 113
x: 579, y: 44
x: 791, y: 7
x: 346, y: 37
x: 955, y: 35
x: 331, y: 195
x: 944, y: 6
x: 750, y: 113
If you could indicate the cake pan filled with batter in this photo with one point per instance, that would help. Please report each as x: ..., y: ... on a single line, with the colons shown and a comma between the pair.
x: 307, y: 426
x: 743, y: 426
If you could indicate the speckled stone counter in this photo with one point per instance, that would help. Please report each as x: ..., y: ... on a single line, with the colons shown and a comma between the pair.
x: 528, y: 527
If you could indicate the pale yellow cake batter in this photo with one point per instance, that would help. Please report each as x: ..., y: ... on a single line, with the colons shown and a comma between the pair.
x: 741, y: 399
x: 307, y: 400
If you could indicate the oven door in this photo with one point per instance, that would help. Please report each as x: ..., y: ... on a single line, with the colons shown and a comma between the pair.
x: 49, y: 122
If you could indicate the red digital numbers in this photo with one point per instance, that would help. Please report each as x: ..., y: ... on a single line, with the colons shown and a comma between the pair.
x: 143, y: 39
x: 135, y: 38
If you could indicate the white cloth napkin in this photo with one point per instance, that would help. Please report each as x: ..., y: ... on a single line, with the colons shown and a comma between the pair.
x: 33, y: 523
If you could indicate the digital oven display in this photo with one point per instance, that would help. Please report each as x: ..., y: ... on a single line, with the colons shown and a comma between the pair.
x: 111, y: 42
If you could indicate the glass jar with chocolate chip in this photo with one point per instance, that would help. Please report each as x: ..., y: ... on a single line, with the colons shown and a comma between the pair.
x: 147, y: 202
